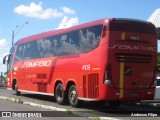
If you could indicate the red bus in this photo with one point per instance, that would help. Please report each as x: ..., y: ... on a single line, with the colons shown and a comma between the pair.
x: 110, y: 60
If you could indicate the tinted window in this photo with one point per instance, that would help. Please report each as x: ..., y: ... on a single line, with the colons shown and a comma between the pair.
x: 76, y: 42
x: 132, y: 26
x: 89, y: 38
x: 31, y: 50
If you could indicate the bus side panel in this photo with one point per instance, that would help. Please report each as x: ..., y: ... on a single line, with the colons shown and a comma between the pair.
x: 89, y: 75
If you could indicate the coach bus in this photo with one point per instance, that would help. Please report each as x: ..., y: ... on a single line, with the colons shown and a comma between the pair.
x: 111, y: 60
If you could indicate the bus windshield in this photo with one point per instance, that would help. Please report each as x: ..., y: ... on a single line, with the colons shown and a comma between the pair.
x: 8, y: 59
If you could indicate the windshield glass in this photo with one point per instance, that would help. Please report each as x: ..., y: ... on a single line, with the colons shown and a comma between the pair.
x: 9, y: 63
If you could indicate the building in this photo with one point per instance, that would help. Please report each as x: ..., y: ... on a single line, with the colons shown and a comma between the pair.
x: 155, y: 19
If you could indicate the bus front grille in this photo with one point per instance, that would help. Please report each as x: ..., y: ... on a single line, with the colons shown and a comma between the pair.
x: 133, y: 58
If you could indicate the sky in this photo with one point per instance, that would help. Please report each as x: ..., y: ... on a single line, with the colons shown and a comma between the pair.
x: 46, y: 15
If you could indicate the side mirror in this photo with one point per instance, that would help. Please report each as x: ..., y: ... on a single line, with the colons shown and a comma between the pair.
x: 6, y: 58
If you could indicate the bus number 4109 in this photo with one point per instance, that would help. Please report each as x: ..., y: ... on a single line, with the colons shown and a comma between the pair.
x: 86, y: 67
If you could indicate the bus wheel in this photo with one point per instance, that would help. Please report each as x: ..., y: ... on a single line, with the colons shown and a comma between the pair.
x: 18, y: 93
x: 59, y: 94
x: 114, y: 103
x: 72, y: 96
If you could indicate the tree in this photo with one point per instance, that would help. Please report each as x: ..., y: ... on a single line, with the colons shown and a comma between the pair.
x: 158, y: 65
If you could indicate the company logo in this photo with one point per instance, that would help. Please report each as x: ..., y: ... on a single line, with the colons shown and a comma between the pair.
x: 128, y: 47
x: 6, y: 114
x: 37, y: 64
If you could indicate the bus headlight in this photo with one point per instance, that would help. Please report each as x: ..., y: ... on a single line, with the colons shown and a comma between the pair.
x: 8, y: 81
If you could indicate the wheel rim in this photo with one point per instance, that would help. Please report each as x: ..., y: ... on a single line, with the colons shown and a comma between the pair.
x: 73, y: 96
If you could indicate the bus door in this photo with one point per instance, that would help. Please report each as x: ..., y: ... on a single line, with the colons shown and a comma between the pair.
x: 29, y: 65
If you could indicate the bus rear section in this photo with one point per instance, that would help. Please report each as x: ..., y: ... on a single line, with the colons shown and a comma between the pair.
x: 131, y: 68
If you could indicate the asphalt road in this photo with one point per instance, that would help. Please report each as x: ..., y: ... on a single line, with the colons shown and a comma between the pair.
x: 125, y: 111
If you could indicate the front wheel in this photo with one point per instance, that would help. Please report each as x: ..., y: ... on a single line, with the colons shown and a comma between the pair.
x: 18, y: 93
x: 73, y: 96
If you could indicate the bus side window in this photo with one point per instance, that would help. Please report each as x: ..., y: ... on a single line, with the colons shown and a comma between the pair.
x: 40, y: 47
x: 89, y: 38
x: 27, y: 51
x: 31, y: 51
x: 73, y: 40
x: 35, y: 54
x: 69, y: 43
x: 54, y: 45
x: 47, y: 51
x: 82, y: 40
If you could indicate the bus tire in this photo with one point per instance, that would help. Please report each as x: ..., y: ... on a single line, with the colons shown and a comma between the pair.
x: 18, y: 93
x: 60, y: 94
x: 73, y: 96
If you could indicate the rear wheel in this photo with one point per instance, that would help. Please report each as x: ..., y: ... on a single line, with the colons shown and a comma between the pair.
x: 73, y: 96
x: 60, y: 94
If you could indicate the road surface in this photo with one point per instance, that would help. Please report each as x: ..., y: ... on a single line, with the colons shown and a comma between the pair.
x: 126, y: 111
